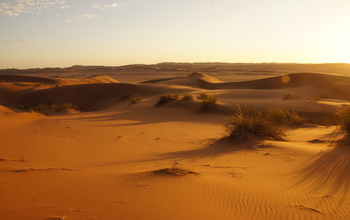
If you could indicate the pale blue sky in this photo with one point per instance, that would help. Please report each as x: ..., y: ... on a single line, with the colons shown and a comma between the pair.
x: 61, y: 33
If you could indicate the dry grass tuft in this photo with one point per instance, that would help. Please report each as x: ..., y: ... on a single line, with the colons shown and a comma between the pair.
x: 287, y: 97
x: 243, y: 124
x: 49, y: 107
x: 202, y: 95
x: 285, y: 117
x: 187, y: 97
x: 166, y: 98
x: 343, y: 115
x: 135, y: 98
x: 174, y: 171
x: 208, y: 102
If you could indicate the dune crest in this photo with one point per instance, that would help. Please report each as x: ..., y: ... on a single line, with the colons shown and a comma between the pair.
x: 203, y: 77
x: 195, y: 79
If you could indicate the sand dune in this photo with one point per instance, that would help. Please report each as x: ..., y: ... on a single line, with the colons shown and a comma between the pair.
x: 333, y: 84
x: 111, y: 159
x: 88, y: 95
x: 291, y: 80
x: 57, y: 81
x: 195, y: 79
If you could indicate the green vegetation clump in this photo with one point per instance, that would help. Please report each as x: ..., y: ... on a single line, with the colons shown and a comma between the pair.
x: 208, y: 102
x: 166, y: 98
x: 285, y: 117
x: 343, y: 115
x: 243, y: 124
x: 135, y: 98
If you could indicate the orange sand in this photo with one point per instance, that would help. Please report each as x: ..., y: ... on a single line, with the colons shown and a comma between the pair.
x: 100, y: 162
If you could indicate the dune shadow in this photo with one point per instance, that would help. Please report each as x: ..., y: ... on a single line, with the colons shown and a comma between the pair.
x: 143, y: 115
x: 328, y: 171
x: 215, y: 149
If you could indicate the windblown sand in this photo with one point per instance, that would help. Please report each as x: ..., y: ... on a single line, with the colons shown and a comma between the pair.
x: 110, y: 159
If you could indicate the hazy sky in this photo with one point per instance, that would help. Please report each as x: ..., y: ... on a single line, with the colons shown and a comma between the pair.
x: 61, y: 33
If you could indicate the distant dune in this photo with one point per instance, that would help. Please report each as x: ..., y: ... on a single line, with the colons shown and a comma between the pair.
x: 335, y: 84
x: 87, y: 92
x: 290, y: 80
x: 24, y: 78
x: 195, y: 79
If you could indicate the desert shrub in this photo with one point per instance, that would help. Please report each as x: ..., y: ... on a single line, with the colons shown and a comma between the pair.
x: 287, y: 97
x: 282, y: 116
x: 124, y: 97
x: 242, y: 124
x: 38, y: 84
x: 343, y: 115
x: 202, y: 95
x: 319, y: 97
x: 174, y: 170
x: 208, y: 102
x: 49, y: 107
x: 166, y: 98
x: 187, y: 97
x: 135, y: 98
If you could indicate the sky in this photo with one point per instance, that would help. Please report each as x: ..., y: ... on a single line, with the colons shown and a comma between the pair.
x: 63, y: 33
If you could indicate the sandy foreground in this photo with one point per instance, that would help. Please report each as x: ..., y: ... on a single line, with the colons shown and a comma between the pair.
x: 107, y: 160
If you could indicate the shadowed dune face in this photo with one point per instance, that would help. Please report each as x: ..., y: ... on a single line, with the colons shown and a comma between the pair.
x: 22, y: 78
x: 328, y: 172
x: 330, y: 169
x: 57, y: 81
x: 333, y: 84
x: 88, y: 95
x: 287, y: 81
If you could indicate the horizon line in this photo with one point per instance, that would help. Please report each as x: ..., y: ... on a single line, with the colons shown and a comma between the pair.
x: 170, y: 62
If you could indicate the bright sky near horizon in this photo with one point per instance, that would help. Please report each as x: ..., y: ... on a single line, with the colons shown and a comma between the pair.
x: 62, y: 33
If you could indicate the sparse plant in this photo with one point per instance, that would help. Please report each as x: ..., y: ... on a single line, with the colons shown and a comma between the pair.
x: 243, y: 124
x: 166, y: 98
x: 287, y: 97
x: 202, y: 95
x: 38, y: 84
x: 124, y: 97
x: 49, y: 107
x: 284, y: 117
x: 319, y: 97
x: 208, y: 102
x: 135, y: 98
x: 187, y: 97
x: 343, y: 115
x: 174, y: 170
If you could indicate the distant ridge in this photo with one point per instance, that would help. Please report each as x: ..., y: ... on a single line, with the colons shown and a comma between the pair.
x: 188, y: 68
x: 195, y: 79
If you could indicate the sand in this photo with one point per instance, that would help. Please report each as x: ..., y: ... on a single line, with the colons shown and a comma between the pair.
x: 111, y: 159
